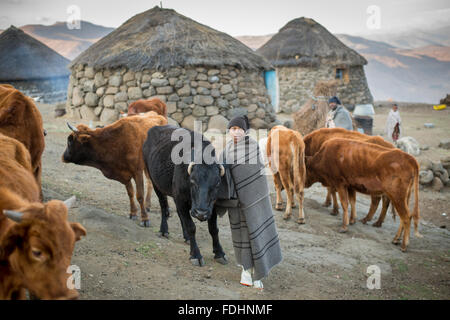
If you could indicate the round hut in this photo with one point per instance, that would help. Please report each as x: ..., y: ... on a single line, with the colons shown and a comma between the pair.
x: 201, y: 73
x: 304, y: 52
x: 32, y: 67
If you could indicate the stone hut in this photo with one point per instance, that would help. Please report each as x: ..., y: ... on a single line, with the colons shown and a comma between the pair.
x: 32, y: 67
x: 201, y: 74
x: 304, y: 52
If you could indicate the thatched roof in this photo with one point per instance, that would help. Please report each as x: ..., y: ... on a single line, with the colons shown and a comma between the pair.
x: 161, y: 39
x: 22, y: 57
x: 304, y: 42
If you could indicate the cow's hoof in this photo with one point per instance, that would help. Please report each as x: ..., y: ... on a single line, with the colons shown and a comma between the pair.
x: 286, y: 216
x: 326, y: 204
x: 294, y: 206
x: 164, y: 235
x: 279, y: 206
x: 343, y: 230
x: 334, y: 213
x: 352, y: 221
x: 301, y: 221
x: 222, y: 260
x: 417, y: 234
x: 145, y: 224
x: 396, y: 242
x: 403, y: 249
x: 198, y: 262
x: 377, y: 224
x: 364, y: 221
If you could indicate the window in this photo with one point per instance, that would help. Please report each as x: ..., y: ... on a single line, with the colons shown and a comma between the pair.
x: 342, y: 74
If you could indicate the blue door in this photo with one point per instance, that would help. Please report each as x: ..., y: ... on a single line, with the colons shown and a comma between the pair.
x: 271, y: 80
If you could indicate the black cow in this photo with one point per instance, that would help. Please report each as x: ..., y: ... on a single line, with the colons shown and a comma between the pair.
x: 193, y: 186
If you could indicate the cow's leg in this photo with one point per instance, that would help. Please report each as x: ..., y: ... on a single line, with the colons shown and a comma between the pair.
x: 287, y: 184
x: 148, y: 196
x: 219, y: 255
x: 405, y: 222
x: 375, y: 201
x: 384, y: 209
x: 133, y: 208
x: 38, y: 175
x: 139, y: 180
x: 196, y: 258
x: 352, y: 199
x: 343, y: 196
x: 301, y: 213
x: 278, y: 188
x: 327, y: 202
x: 164, y: 228
x: 335, y: 211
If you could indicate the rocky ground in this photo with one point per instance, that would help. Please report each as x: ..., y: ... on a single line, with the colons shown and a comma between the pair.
x: 120, y: 260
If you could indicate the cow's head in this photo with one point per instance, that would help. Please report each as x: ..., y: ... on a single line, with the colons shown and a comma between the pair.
x: 78, y: 148
x: 39, y: 248
x: 204, y: 182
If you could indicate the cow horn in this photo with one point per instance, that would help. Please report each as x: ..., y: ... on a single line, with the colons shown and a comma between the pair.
x: 70, y: 202
x: 13, y: 215
x: 190, y: 167
x: 72, y: 127
x: 222, y: 170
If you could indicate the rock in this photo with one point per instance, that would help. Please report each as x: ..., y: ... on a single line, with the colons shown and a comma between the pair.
x: 184, y: 91
x: 213, y: 72
x: 108, y: 101
x: 203, y: 100
x: 212, y: 110
x: 437, y: 167
x: 171, y: 107
x: 446, y: 162
x: 425, y: 164
x: 121, y: 106
x: 164, y: 90
x: 252, y: 108
x: 222, y: 103
x: 87, y: 113
x: 443, y: 176
x: 444, y: 144
x: 89, y: 86
x: 134, y: 93
x: 201, y: 77
x: 425, y: 176
x: 98, y: 111
x: 172, y: 122
x: 149, y: 92
x: 225, y: 89
x: 91, y: 99
x: 115, y: 81
x: 77, y: 97
x: 173, y: 98
x: 218, y: 122
x: 129, y: 76
x: 437, y: 184
x: 109, y: 116
x: 146, y: 78
x: 100, y: 91
x: 157, y: 75
x: 174, y: 72
x: 424, y: 147
x: 198, y: 111
x: 428, y: 125
x: 260, y: 113
x: 215, y: 93
x: 120, y: 97
x: 258, y: 124
x: 178, y: 117
x: 409, y: 145
x: 112, y: 90
x: 145, y: 85
x: 203, y: 91
x: 213, y: 79
x: 236, y: 112
x: 159, y: 82
x: 89, y: 72
x: 188, y: 122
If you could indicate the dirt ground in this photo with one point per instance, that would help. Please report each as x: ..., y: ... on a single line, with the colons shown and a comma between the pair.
x: 120, y: 260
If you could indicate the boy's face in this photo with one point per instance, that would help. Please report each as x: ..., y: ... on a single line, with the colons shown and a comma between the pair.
x: 237, y: 133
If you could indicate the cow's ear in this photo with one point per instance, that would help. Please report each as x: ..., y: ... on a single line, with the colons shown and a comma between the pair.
x: 83, y: 138
x: 78, y: 229
x: 13, y: 238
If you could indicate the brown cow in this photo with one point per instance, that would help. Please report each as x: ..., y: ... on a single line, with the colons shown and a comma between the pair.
x: 314, y: 141
x: 36, y: 240
x: 116, y: 150
x: 286, y: 154
x: 143, y: 106
x: 346, y: 164
x: 20, y: 119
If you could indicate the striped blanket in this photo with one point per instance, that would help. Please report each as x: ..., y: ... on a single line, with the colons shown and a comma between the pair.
x: 253, y: 230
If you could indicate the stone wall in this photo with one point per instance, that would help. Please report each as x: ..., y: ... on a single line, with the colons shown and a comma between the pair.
x: 297, y: 83
x: 211, y: 95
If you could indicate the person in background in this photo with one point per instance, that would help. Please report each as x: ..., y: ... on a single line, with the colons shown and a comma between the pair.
x: 244, y: 193
x: 338, y: 116
x: 393, y: 124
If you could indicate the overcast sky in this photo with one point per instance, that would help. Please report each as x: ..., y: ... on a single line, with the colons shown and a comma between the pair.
x: 244, y: 17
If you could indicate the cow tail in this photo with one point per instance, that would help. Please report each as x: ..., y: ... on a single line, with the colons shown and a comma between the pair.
x: 416, y: 213
x: 299, y: 167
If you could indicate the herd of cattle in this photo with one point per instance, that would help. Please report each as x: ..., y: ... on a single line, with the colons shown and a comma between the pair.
x: 37, y: 240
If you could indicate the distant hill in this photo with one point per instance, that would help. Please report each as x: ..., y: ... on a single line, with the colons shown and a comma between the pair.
x: 254, y: 42
x: 69, y: 43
